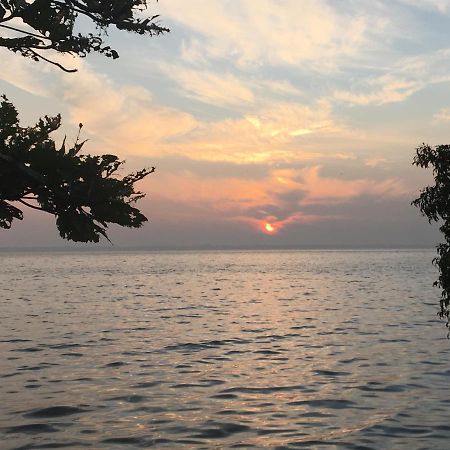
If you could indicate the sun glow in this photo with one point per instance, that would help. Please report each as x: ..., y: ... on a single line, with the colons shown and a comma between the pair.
x: 269, y: 228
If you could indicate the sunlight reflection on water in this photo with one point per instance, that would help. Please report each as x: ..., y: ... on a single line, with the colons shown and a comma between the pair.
x: 326, y: 349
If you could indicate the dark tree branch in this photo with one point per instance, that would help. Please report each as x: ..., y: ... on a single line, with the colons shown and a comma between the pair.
x: 33, y: 206
x: 53, y: 62
x: 28, y: 33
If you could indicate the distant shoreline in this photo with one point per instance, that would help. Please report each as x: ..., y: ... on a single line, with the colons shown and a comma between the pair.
x: 119, y: 249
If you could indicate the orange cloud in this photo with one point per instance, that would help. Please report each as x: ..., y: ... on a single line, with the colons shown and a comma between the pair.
x: 249, y: 201
x: 333, y: 190
x: 124, y: 117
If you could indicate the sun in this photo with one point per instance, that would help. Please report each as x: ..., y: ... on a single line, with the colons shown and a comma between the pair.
x: 269, y: 228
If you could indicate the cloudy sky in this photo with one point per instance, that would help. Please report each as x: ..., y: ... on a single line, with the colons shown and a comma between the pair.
x: 270, y: 122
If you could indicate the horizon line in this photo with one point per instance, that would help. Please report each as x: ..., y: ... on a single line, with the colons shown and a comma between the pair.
x: 199, y: 248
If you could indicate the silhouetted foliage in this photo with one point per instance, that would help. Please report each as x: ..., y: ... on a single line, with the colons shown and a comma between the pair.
x: 31, y: 27
x: 434, y: 203
x: 83, y: 192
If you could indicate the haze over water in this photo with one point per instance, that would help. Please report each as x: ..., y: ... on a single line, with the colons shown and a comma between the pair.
x: 294, y: 349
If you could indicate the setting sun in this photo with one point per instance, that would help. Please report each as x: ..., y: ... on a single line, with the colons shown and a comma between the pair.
x: 269, y: 228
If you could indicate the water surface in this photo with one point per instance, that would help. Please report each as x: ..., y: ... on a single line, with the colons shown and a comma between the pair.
x: 213, y: 350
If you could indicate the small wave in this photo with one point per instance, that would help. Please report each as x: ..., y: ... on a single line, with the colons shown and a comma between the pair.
x: 146, y: 384
x: 125, y: 441
x: 193, y: 346
x: 217, y: 430
x: 55, y: 411
x: 129, y: 398
x: 28, y: 349
x: 32, y: 428
x: 331, y: 373
x: 329, y: 404
x: 116, y: 364
x: 264, y: 390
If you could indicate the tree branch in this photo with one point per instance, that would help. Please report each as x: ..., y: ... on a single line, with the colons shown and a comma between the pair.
x: 53, y: 62
x: 33, y: 206
x: 24, y: 32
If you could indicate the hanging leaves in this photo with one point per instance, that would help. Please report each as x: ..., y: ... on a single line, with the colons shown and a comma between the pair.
x: 434, y: 204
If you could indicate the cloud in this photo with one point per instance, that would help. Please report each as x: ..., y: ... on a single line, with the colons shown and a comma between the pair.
x: 320, y: 190
x: 227, y: 89
x: 442, y: 6
x: 272, y: 134
x: 443, y: 115
x: 122, y: 116
x: 126, y: 119
x: 281, y: 87
x: 268, y: 224
x: 401, y: 81
x: 283, y: 197
x: 23, y: 73
x: 217, y: 89
x: 387, y: 89
x: 375, y: 162
x: 252, y: 32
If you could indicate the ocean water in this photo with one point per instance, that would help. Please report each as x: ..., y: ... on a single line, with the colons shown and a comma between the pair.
x: 218, y: 350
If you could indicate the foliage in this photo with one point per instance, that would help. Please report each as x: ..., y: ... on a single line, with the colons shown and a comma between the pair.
x: 82, y: 191
x: 30, y: 27
x: 434, y: 203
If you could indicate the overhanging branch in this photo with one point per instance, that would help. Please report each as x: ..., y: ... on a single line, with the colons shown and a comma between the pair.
x: 18, y: 30
x: 34, y: 206
x: 53, y: 62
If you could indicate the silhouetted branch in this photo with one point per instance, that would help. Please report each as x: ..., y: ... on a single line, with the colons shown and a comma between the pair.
x: 18, y: 30
x: 53, y: 62
x: 33, y: 206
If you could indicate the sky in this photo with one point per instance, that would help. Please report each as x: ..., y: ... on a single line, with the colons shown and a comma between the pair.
x: 271, y: 123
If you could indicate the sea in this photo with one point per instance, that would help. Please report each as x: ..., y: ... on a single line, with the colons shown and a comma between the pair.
x: 286, y: 349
